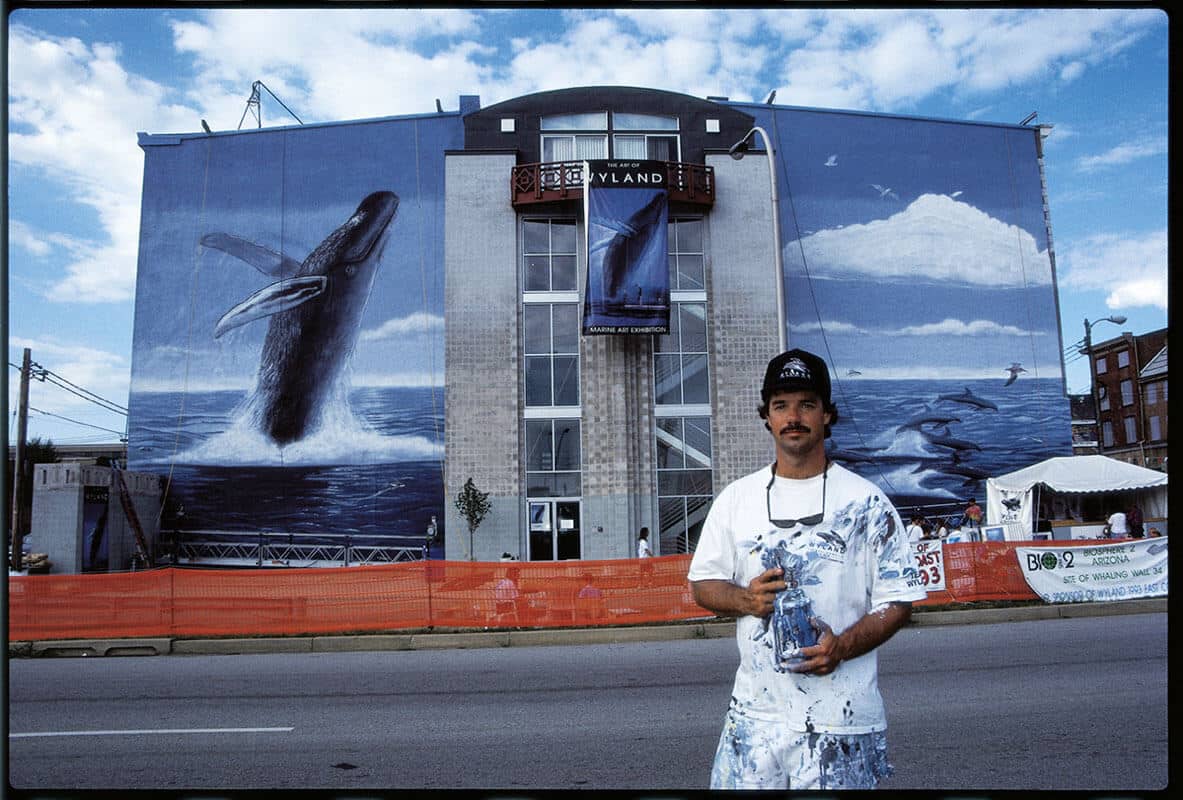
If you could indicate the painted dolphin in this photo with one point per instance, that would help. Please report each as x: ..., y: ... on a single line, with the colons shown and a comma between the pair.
x: 1014, y: 370
x: 969, y: 398
x: 850, y: 456
x: 314, y: 316
x: 916, y: 422
x: 949, y: 441
x: 967, y: 471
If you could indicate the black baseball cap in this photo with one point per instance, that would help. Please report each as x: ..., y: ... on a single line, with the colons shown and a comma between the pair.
x: 796, y: 370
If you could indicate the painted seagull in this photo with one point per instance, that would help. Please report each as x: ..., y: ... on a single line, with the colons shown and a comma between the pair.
x: 1014, y: 370
x: 314, y: 309
x: 884, y: 192
x: 832, y: 161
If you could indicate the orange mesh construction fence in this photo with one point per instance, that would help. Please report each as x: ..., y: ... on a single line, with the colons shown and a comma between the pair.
x: 448, y: 594
x: 988, y: 571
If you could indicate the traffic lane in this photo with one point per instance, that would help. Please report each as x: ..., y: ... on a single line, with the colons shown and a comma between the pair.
x: 619, y: 716
x: 480, y: 718
x: 1075, y: 703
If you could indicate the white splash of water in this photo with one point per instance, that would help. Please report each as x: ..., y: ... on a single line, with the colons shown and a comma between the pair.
x: 341, y: 439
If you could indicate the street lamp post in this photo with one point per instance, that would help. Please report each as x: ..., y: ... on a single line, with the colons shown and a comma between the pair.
x: 737, y: 152
x: 1088, y: 349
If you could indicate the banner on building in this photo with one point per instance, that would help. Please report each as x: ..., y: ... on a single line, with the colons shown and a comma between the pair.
x: 96, y: 501
x: 930, y: 564
x: 1111, y: 571
x: 626, y: 217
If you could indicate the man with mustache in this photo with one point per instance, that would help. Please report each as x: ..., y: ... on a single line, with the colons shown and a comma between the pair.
x: 805, y: 710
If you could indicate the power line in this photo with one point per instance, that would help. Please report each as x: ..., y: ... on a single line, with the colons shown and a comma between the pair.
x: 113, y: 408
x: 103, y: 400
x: 42, y: 374
x: 76, y: 422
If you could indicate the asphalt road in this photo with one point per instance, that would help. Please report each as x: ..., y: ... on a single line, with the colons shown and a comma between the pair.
x: 1051, y: 704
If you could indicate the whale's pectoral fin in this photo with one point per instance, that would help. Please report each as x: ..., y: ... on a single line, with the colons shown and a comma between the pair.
x: 279, y: 296
x: 261, y: 258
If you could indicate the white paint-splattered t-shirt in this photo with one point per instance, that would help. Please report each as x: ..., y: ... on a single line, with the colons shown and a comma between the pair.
x: 855, y: 561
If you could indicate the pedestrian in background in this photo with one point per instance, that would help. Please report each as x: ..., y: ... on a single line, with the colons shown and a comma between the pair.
x: 814, y: 562
x: 1116, y: 526
x: 643, y: 548
x: 973, y: 516
x: 916, y: 529
x: 1133, y: 520
x: 507, y: 597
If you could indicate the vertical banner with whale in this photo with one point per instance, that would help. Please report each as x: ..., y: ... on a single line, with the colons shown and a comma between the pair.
x: 626, y: 217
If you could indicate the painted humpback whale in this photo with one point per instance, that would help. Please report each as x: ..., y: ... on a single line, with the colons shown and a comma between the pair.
x: 314, y: 316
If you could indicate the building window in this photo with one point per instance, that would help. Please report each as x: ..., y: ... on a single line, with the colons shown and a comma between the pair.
x: 553, y: 458
x: 1107, y: 434
x: 551, y: 351
x: 1127, y: 393
x: 1123, y: 358
x: 1151, y: 393
x: 1155, y: 429
x: 680, y: 361
x: 686, y: 254
x: 1101, y: 368
x: 588, y: 121
x: 575, y: 137
x: 549, y: 255
x: 649, y: 137
x: 1103, y: 395
x: 683, y: 480
x: 1131, y: 431
x: 573, y: 147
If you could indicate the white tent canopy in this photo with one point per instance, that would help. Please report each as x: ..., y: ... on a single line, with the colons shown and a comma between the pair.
x: 1012, y: 499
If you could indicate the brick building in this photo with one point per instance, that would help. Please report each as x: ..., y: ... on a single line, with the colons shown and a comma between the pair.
x: 1130, y: 383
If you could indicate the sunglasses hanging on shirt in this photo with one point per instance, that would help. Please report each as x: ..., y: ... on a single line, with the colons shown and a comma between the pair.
x: 812, y: 519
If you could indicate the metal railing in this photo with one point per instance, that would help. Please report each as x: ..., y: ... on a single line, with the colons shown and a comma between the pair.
x: 563, y: 180
x: 267, y: 549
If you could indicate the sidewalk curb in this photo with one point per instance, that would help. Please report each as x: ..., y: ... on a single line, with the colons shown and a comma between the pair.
x: 709, y: 629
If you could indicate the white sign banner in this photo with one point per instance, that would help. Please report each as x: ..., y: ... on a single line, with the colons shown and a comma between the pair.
x: 1105, y: 571
x: 930, y: 564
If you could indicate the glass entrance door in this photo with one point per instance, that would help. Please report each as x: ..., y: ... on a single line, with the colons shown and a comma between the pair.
x: 554, y: 530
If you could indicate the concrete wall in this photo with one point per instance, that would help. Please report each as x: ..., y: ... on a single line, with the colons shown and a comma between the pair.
x: 482, y: 354
x: 57, y: 523
x: 742, y: 313
x: 619, y: 469
x: 483, y: 357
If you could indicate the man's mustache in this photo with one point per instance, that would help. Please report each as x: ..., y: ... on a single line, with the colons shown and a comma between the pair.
x: 796, y: 429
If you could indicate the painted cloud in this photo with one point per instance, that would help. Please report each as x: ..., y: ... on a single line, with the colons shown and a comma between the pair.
x: 935, y: 239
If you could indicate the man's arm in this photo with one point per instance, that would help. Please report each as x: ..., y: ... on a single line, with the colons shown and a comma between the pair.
x: 729, y: 600
x: 875, y: 628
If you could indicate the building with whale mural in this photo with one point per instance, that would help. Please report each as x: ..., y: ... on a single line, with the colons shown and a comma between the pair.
x: 337, y: 325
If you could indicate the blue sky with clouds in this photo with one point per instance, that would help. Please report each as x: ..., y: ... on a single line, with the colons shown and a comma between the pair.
x: 82, y: 82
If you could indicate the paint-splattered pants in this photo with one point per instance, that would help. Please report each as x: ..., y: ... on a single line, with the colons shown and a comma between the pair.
x: 755, y: 754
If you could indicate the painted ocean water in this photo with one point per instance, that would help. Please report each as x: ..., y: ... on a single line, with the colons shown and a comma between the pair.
x: 929, y: 441
x: 374, y: 470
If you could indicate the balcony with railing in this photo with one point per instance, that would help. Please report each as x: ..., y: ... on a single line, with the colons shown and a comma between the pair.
x: 692, y: 184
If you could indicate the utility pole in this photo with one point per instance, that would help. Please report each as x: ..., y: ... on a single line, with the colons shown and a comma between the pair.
x: 18, y: 482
